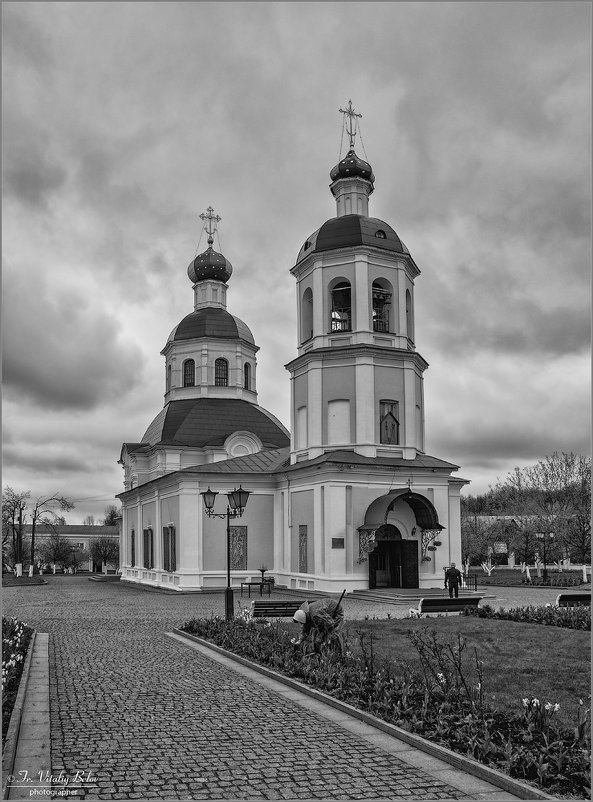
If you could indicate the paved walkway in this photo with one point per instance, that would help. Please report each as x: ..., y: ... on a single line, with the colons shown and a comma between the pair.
x: 140, y: 715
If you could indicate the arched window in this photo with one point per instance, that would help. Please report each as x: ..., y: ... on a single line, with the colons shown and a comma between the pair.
x: 389, y: 422
x: 409, y: 316
x: 247, y: 376
x: 307, y: 315
x: 381, y: 307
x: 189, y: 373
x: 381, y: 234
x: 168, y: 378
x: 221, y: 373
x: 341, y: 311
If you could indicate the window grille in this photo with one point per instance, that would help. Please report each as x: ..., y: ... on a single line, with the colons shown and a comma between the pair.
x: 148, y: 549
x: 221, y: 373
x: 189, y: 373
x: 169, y: 550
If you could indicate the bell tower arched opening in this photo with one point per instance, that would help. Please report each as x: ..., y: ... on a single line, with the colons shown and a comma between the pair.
x: 341, y: 307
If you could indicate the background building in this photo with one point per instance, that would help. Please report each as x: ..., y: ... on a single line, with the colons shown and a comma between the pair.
x: 79, y: 539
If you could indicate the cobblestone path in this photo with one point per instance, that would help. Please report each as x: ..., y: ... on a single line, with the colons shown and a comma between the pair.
x: 151, y: 718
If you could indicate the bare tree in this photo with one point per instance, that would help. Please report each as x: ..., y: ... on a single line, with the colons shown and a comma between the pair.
x: 43, y: 511
x: 77, y: 558
x: 542, y: 497
x: 89, y: 520
x: 105, y: 550
x: 14, y: 507
x: 576, y: 533
x: 57, y: 550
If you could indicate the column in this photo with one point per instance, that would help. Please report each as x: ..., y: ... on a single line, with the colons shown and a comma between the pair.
x: 190, y: 529
x: 158, y: 533
x: 362, y: 301
x: 365, y: 402
x: 315, y: 404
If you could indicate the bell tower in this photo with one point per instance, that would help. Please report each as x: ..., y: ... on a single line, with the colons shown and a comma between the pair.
x: 357, y: 382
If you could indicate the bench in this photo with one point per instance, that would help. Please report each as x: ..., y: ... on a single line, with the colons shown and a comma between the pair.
x: 267, y: 583
x: 573, y: 600
x: 263, y: 608
x: 444, y: 605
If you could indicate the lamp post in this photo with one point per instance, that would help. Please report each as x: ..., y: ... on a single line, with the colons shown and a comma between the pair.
x: 542, y: 536
x: 237, y: 501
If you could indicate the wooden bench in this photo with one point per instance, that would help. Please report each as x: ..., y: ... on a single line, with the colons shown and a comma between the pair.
x: 264, y: 608
x: 573, y: 600
x: 445, y: 605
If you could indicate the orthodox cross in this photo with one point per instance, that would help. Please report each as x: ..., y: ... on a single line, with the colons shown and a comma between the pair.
x: 351, y: 125
x: 210, y: 226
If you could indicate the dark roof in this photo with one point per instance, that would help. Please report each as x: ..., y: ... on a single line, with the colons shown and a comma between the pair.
x: 72, y: 529
x: 210, y: 265
x: 263, y: 462
x: 198, y: 422
x: 352, y: 229
x: 345, y: 457
x: 212, y: 321
x: 352, y: 165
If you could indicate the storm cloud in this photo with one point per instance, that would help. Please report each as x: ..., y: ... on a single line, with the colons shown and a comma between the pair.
x: 123, y: 121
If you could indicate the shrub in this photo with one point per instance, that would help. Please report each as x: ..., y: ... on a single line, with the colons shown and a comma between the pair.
x: 16, y: 637
x: 437, y: 702
x: 569, y: 617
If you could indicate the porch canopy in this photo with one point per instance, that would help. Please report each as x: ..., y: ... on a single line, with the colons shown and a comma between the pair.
x: 376, y: 516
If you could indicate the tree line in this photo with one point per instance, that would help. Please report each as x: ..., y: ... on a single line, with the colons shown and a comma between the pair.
x: 20, y: 509
x: 543, y: 509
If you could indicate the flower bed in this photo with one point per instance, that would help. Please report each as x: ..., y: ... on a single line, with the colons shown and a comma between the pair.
x: 514, y: 578
x: 16, y: 637
x: 569, y: 617
x: 437, y: 702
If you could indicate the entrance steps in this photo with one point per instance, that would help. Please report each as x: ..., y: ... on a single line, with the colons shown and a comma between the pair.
x: 402, y: 595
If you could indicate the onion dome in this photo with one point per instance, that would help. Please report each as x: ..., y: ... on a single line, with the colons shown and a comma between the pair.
x: 352, y: 165
x: 210, y: 265
x: 213, y: 323
x: 352, y: 230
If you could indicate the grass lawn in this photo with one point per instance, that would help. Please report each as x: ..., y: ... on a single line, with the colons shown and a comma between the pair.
x: 551, y: 663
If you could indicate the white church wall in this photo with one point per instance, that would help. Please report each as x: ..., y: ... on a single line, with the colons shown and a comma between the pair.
x: 338, y: 399
x: 338, y: 422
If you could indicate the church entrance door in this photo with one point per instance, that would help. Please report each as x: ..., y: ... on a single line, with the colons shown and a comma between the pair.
x: 393, y: 563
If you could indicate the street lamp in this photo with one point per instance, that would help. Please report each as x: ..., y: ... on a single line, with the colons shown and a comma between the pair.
x: 237, y: 501
x: 542, y: 536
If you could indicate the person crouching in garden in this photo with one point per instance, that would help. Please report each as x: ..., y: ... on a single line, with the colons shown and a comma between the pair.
x: 322, y: 622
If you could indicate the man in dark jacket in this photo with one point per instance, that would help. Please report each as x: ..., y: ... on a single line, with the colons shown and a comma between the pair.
x: 453, y: 580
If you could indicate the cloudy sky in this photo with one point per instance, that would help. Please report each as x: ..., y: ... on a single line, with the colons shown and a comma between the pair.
x: 123, y: 121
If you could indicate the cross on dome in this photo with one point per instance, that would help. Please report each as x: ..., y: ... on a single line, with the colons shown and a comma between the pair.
x: 210, y: 221
x: 352, y: 124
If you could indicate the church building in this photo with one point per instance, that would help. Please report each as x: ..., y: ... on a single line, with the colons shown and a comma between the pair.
x: 349, y: 498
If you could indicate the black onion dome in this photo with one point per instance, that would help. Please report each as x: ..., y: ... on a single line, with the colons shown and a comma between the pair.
x: 214, y: 322
x: 351, y: 230
x: 352, y: 165
x: 210, y: 265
